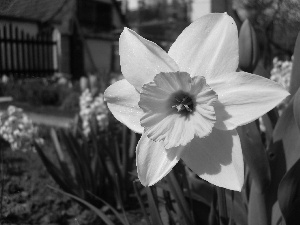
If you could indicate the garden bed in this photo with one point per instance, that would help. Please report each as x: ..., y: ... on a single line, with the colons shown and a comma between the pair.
x: 27, y: 199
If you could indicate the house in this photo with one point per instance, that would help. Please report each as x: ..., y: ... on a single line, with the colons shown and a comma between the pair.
x: 80, y: 36
x: 160, y: 21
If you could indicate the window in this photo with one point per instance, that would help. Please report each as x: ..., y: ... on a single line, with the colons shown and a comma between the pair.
x: 95, y: 15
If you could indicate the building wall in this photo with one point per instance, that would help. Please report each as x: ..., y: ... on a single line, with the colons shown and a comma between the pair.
x: 101, y: 52
x: 64, y: 60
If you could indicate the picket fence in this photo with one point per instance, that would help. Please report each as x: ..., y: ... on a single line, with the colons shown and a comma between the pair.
x: 24, y: 56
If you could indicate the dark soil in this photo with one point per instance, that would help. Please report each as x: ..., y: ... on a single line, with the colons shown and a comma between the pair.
x: 26, y: 198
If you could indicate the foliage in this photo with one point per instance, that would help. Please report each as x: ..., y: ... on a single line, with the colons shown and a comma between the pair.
x: 276, y: 23
x: 87, y: 165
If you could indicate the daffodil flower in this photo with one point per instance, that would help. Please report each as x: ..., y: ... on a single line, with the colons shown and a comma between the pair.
x: 188, y: 102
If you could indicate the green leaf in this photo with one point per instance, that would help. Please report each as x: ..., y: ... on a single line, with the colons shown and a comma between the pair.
x: 153, y: 207
x: 63, y: 181
x: 248, y: 48
x: 222, y: 206
x: 295, y: 76
x: 257, y: 214
x: 213, y: 218
x: 117, y: 214
x: 255, y: 156
x: 288, y: 131
x: 96, y: 210
x: 289, y: 195
x: 139, y: 197
x: 179, y: 196
x: 296, y: 108
x: 277, y: 218
x: 277, y: 159
x: 285, y: 122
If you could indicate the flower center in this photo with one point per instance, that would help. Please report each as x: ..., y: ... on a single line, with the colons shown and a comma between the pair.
x: 177, y: 107
x: 182, y: 102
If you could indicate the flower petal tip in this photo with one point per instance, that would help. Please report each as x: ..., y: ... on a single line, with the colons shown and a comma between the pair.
x: 147, y: 182
x: 234, y: 185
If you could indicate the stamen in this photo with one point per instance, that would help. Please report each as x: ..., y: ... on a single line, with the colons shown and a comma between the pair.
x: 185, y: 103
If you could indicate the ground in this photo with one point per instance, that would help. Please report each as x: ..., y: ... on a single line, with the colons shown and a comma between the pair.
x: 27, y: 200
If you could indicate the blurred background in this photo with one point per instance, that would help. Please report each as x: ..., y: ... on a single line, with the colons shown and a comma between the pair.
x: 77, y: 37
x: 56, y: 59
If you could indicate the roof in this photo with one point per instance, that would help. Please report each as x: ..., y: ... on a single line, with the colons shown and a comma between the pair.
x: 36, y: 10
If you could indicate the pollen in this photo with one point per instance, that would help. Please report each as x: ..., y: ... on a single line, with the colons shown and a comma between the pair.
x: 183, y: 103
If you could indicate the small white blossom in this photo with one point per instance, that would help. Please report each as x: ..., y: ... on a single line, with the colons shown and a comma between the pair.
x: 281, y: 72
x: 90, y: 107
x: 17, y: 129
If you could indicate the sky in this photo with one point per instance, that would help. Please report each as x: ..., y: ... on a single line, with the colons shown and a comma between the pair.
x: 199, y: 7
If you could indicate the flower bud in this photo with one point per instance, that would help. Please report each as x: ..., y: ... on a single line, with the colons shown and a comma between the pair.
x: 84, y: 83
x: 93, y: 84
x: 248, y: 48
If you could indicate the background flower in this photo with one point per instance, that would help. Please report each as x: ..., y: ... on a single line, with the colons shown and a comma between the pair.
x: 17, y: 129
x: 92, y: 107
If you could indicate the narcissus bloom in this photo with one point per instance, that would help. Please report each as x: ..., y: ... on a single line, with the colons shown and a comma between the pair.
x: 188, y: 102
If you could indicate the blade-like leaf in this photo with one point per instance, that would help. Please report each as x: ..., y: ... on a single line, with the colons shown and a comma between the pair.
x: 96, y: 210
x: 248, y: 47
x: 213, y: 218
x: 288, y: 131
x: 139, y: 197
x: 295, y: 76
x: 289, y: 195
x: 179, y: 196
x: 222, y: 206
x: 277, y: 218
x: 277, y: 159
x: 117, y: 214
x: 285, y: 122
x: 57, y: 144
x: 257, y: 214
x: 63, y: 181
x: 153, y: 207
x: 255, y: 155
x: 296, y: 109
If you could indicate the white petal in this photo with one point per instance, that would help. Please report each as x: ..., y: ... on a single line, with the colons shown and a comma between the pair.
x: 244, y: 97
x: 174, y: 130
x: 208, y: 47
x: 141, y: 59
x: 154, y: 161
x: 217, y: 159
x: 122, y: 100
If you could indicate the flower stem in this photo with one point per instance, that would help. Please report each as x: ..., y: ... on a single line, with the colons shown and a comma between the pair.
x: 223, y: 214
